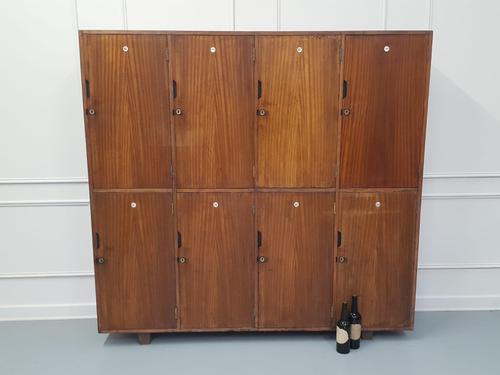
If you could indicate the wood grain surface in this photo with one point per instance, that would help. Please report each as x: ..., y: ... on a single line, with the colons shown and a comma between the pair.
x: 379, y: 244
x: 215, y: 133
x: 387, y: 98
x: 295, y: 282
x: 136, y: 283
x: 216, y: 284
x: 129, y: 134
x: 296, y: 142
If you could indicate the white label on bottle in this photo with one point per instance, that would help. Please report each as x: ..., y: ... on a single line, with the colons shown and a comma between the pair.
x: 342, y: 336
x: 355, y: 331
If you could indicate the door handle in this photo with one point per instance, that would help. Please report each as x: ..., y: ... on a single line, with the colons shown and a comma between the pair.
x: 259, y: 238
x: 179, y: 240
x: 174, y: 88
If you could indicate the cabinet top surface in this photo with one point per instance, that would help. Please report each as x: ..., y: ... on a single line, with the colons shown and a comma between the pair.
x: 319, y: 33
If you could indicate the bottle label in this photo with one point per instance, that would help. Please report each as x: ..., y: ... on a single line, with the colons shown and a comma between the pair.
x: 342, y: 336
x: 355, y: 331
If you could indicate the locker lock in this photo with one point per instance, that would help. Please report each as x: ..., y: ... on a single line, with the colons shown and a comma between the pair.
x: 177, y: 112
x: 215, y: 204
x: 346, y: 111
x: 296, y: 204
x: 99, y: 260
x: 261, y: 259
x: 91, y: 111
x: 341, y: 259
x: 387, y: 49
x: 125, y: 48
x: 213, y: 49
x: 261, y: 112
x: 133, y: 205
x: 378, y: 204
x: 182, y: 260
x: 299, y: 49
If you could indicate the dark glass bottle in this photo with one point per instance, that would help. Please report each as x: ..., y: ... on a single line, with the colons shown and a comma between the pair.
x: 343, y: 331
x: 355, y: 318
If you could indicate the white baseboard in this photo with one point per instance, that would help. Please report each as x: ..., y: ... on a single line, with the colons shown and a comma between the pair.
x: 458, y: 303
x: 47, y: 311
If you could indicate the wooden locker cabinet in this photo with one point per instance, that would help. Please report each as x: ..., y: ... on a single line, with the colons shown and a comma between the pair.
x: 251, y: 181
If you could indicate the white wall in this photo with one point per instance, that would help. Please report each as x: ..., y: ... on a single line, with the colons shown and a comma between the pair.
x: 45, y: 251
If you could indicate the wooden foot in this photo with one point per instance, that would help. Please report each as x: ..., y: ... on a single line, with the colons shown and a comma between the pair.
x: 144, y: 338
x: 367, y: 335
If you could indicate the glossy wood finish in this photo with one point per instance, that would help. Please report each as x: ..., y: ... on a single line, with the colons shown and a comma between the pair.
x: 216, y: 284
x: 129, y: 142
x: 379, y: 244
x: 295, y: 282
x: 296, y: 144
x: 387, y: 96
x: 136, y: 283
x: 214, y: 134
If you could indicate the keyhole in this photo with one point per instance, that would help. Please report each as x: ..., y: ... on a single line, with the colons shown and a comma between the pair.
x: 215, y: 204
x: 125, y: 48
x: 133, y: 205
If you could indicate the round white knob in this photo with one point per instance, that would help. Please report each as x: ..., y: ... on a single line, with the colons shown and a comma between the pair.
x: 125, y: 48
x: 215, y: 204
x: 133, y: 205
x: 296, y: 204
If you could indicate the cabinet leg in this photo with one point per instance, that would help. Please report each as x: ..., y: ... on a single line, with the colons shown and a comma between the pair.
x: 144, y: 338
x: 367, y: 335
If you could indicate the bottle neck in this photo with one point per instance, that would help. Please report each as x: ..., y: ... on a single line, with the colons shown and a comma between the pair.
x: 354, y: 305
x: 345, y: 314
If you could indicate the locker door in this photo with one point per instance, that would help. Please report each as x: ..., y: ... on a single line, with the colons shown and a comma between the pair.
x: 127, y: 114
x: 214, y: 129
x: 217, y: 280
x: 295, y: 277
x: 378, y: 240
x: 387, y: 83
x: 299, y: 94
x: 136, y: 282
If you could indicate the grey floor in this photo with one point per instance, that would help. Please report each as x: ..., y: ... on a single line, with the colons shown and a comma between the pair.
x: 442, y: 343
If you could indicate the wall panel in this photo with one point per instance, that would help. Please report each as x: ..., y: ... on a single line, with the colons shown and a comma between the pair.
x: 256, y: 15
x: 180, y: 15
x: 101, y: 15
x: 332, y: 15
x: 42, y: 117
